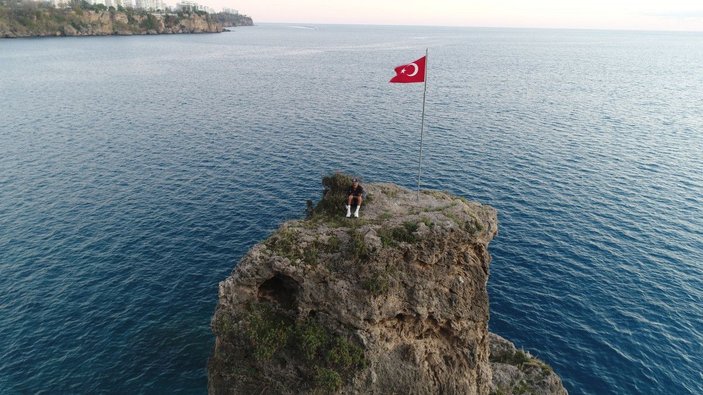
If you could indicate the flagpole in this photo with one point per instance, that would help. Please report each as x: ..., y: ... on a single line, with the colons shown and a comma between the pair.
x: 422, y: 123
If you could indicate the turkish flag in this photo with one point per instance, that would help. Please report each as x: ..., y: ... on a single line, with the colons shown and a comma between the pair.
x: 411, y: 72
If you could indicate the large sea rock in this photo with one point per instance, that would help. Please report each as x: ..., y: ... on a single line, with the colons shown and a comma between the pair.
x: 393, y: 302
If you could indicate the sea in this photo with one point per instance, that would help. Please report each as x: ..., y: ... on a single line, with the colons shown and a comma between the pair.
x: 135, y: 172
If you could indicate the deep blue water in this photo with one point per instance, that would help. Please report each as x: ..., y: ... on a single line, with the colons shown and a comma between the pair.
x: 136, y: 171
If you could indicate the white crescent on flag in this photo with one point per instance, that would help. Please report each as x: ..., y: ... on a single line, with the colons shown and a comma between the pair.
x: 414, y: 72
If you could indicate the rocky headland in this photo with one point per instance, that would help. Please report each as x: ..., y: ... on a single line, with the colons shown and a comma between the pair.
x: 42, y: 21
x: 394, y: 302
x: 232, y: 20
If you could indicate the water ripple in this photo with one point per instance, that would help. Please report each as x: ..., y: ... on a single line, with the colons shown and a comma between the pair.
x: 135, y: 172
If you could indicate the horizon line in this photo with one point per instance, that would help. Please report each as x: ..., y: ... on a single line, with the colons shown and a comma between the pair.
x: 643, y: 30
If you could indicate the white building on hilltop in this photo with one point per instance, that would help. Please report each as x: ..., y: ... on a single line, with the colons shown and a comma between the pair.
x: 186, y: 6
x: 190, y: 6
x: 106, y: 3
x: 149, y: 5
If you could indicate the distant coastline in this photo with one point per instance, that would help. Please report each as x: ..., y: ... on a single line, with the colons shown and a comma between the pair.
x: 31, y: 19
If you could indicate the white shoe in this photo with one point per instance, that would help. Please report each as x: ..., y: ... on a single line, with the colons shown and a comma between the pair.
x: 356, y: 213
x: 348, y: 211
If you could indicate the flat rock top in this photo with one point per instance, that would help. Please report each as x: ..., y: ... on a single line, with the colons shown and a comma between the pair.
x: 389, y: 205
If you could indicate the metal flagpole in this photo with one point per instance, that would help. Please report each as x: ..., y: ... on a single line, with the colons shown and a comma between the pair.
x: 422, y: 124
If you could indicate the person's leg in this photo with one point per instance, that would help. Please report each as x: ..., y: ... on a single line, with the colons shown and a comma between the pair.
x: 359, y: 199
x: 349, y: 203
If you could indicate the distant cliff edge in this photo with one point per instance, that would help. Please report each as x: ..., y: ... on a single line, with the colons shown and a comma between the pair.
x: 233, y: 20
x: 39, y: 20
x: 394, y: 302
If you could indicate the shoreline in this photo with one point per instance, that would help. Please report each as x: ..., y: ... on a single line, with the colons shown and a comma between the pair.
x: 228, y: 29
x: 40, y: 36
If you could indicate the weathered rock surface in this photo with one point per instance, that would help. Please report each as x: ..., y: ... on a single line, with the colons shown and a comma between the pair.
x: 394, y: 302
x: 517, y: 372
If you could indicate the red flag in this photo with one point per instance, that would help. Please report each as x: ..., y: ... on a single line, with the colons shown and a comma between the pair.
x: 411, y: 72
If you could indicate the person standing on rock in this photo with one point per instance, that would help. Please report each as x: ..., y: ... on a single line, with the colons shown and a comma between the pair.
x: 355, y: 194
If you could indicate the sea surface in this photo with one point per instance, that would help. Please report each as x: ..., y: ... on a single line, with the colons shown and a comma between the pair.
x: 136, y: 171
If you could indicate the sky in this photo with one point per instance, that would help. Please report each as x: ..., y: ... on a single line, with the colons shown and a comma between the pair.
x: 588, y: 14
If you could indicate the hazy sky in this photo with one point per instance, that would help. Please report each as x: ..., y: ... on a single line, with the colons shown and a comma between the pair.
x: 608, y: 14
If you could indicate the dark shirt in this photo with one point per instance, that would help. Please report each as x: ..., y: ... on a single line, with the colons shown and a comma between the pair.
x: 358, y: 191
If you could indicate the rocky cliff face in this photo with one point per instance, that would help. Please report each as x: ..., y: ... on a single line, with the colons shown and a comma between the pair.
x: 233, y: 20
x: 392, y: 302
x: 68, y: 22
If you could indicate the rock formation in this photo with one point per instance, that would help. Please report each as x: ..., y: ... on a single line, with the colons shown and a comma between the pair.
x: 517, y: 372
x: 232, y: 20
x: 393, y: 302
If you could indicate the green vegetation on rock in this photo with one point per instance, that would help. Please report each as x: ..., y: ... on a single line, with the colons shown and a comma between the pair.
x: 287, y: 243
x: 400, y: 234
x: 358, y: 250
x: 525, y: 375
x: 334, y: 196
x: 516, y: 358
x: 267, y: 330
x: 378, y: 283
x: 269, y: 333
x: 327, y: 380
